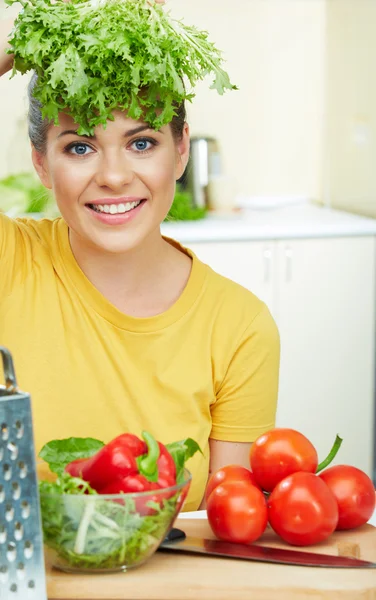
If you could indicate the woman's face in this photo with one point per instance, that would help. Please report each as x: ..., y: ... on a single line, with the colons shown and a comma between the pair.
x: 113, y: 189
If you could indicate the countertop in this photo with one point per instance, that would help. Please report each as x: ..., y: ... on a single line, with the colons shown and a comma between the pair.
x: 173, y: 576
x: 291, y: 222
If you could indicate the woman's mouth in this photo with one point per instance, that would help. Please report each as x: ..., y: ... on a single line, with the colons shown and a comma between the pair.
x: 116, y: 214
x: 115, y: 209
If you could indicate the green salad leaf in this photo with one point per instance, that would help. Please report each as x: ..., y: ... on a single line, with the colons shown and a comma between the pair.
x: 58, y: 453
x: 86, y: 530
x: 181, y: 452
x: 93, y: 57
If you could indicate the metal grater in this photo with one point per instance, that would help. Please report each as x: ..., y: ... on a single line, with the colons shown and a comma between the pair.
x: 22, y: 572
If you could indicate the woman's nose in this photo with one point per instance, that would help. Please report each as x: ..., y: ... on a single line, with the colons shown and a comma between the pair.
x: 114, y: 171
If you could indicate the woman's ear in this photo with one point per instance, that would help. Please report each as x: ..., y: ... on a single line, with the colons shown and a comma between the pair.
x: 183, y: 147
x: 41, y: 167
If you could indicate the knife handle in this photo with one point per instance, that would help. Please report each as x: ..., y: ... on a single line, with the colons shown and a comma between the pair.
x: 175, y: 535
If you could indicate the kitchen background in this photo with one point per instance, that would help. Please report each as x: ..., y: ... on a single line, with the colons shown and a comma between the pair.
x: 297, y: 147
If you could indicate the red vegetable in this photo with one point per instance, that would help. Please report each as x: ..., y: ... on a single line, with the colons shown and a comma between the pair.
x: 166, y: 467
x: 229, y: 473
x: 75, y: 467
x: 115, y: 460
x: 131, y: 484
x: 279, y: 453
x: 237, y: 512
x: 135, y: 484
x: 302, y: 509
x: 157, y: 465
x: 354, y: 492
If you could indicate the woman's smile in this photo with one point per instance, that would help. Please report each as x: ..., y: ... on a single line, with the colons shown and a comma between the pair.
x: 116, y: 211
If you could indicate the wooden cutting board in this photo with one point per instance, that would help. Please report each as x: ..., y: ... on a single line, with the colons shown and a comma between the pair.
x: 189, y: 577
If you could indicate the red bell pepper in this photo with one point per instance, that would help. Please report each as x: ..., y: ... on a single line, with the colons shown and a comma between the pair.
x: 131, y: 484
x: 74, y: 468
x: 134, y: 484
x: 166, y: 468
x: 114, y: 461
x: 157, y: 465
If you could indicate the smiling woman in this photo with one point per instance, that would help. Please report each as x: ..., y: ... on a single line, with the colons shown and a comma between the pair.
x: 113, y: 327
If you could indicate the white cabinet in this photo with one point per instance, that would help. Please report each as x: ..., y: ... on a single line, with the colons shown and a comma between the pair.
x: 322, y: 295
x: 252, y: 264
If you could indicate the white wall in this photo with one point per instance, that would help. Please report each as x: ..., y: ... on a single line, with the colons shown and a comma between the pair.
x: 14, y: 146
x: 351, y: 102
x: 271, y: 130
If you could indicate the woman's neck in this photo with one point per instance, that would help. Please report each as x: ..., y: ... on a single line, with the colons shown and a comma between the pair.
x: 142, y: 282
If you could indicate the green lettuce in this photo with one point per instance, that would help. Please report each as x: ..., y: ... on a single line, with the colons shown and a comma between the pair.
x: 96, y: 56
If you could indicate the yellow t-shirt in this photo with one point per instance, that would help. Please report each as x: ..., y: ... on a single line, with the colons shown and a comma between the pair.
x: 207, y: 367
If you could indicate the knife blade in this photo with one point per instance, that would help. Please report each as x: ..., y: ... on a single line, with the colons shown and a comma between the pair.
x: 177, y: 541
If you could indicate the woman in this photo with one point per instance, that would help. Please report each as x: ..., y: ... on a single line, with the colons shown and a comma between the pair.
x: 114, y: 328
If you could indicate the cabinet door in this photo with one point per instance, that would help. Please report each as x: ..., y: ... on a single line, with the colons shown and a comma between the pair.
x: 251, y: 264
x: 326, y: 317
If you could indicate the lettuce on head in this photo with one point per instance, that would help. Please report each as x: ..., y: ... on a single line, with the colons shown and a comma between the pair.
x: 93, y: 57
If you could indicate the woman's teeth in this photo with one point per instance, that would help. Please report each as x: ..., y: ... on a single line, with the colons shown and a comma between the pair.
x: 115, y: 209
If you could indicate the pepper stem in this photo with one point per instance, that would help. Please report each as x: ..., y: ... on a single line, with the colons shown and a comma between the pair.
x: 333, y: 452
x: 147, y: 463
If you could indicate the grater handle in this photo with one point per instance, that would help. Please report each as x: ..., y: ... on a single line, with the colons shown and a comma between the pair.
x: 9, y: 373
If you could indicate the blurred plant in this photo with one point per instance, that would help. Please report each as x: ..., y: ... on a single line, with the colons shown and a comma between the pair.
x: 23, y: 193
x: 182, y: 208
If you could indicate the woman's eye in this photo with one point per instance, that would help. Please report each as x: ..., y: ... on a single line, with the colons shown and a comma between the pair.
x: 143, y: 144
x: 79, y: 149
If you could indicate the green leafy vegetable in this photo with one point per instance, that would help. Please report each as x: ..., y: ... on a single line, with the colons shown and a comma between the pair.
x: 59, y: 453
x: 182, y: 209
x: 85, y: 530
x: 94, y: 57
x: 181, y: 452
x: 88, y: 531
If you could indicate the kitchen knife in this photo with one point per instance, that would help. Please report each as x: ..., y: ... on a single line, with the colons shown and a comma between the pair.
x: 177, y: 541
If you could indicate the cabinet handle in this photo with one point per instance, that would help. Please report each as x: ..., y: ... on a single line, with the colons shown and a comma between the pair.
x: 288, y: 255
x: 267, y: 264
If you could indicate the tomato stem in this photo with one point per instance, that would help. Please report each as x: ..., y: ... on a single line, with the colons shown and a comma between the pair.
x: 333, y: 452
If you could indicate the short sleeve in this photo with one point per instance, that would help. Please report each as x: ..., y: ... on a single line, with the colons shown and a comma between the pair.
x: 15, y: 254
x: 246, y: 400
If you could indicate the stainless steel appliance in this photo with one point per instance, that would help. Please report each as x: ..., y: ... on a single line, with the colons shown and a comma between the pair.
x: 204, y: 162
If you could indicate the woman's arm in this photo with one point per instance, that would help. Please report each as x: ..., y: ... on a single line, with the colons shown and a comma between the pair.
x: 227, y: 453
x: 6, y: 60
x: 246, y: 400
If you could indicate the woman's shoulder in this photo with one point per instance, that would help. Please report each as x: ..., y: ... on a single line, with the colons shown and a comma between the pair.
x: 231, y: 307
x: 36, y: 230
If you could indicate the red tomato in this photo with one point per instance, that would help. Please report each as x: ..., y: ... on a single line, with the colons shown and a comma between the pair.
x: 279, y: 453
x: 229, y: 473
x: 237, y: 512
x: 354, y: 492
x: 302, y: 509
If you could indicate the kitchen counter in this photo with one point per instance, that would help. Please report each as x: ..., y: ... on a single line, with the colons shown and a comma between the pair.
x: 170, y: 576
x: 290, y: 222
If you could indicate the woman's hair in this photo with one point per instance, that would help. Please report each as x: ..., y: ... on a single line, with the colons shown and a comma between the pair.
x: 38, y: 127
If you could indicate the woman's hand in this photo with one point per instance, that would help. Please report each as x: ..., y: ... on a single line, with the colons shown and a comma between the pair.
x: 6, y: 60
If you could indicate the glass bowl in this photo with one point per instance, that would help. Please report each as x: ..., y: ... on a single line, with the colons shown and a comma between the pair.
x: 95, y: 533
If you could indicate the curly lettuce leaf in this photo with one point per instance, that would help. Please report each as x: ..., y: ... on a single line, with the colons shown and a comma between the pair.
x: 94, y: 57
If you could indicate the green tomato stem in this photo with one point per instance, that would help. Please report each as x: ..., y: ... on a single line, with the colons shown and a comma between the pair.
x: 332, y: 454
